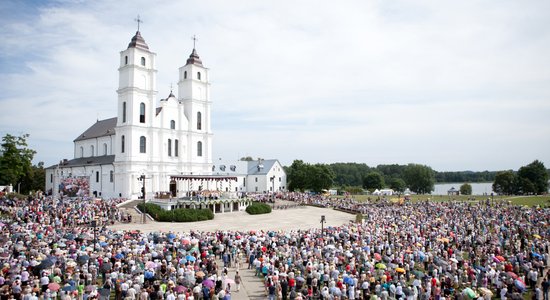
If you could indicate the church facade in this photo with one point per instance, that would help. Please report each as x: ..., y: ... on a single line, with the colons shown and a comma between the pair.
x: 147, y: 146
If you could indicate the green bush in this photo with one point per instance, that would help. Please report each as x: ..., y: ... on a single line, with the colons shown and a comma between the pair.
x: 176, y: 215
x: 257, y: 208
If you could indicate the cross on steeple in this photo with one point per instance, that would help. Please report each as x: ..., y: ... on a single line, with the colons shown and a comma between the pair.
x: 138, y: 20
x: 194, y: 38
x: 170, y: 87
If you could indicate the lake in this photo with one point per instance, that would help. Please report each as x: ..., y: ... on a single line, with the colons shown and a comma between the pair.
x: 483, y: 188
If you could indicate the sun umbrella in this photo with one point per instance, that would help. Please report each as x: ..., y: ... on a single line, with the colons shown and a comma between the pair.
x: 54, y: 286
x: 190, y: 258
x: 69, y: 288
x: 71, y: 263
x: 469, y: 292
x: 454, y: 260
x: 380, y: 266
x: 171, y: 236
x: 512, y: 274
x: 180, y: 289
x: 486, y: 291
x: 229, y: 281
x: 119, y: 256
x: 200, y: 274
x: 536, y: 255
x: 82, y: 259
x: 208, y: 283
x: 519, y: 284
x: 537, y: 236
x: 400, y: 270
x: 300, y: 278
x: 377, y: 256
x: 150, y: 265
x: 500, y: 258
x: 418, y: 274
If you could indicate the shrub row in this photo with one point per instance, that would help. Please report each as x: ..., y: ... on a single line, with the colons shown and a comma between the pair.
x: 176, y: 215
x: 257, y: 208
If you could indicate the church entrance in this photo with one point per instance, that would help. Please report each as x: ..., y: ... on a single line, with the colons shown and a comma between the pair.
x: 173, y: 188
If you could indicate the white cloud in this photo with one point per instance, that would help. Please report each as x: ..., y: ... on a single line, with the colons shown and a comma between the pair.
x: 455, y: 85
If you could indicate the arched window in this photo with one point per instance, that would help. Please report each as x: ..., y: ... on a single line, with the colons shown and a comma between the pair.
x: 199, y: 75
x: 142, y: 147
x: 142, y: 112
x: 122, y: 140
x: 199, y: 120
x: 104, y: 149
x: 111, y: 176
x: 176, y: 146
x: 92, y: 152
x: 199, y: 148
x: 172, y: 124
x: 143, y: 61
x: 81, y: 151
x: 169, y: 147
x: 185, y: 75
x: 123, y: 112
x: 126, y: 59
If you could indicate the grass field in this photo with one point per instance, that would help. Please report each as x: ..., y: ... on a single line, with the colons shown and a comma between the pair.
x: 518, y: 200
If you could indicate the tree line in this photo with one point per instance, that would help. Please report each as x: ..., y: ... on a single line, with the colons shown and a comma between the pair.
x: 16, y: 166
x: 420, y: 179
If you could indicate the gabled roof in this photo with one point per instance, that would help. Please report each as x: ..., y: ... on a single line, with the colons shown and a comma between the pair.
x: 85, y: 161
x: 100, y: 128
x: 265, y: 166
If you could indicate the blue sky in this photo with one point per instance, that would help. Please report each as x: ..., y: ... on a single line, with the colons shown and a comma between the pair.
x: 456, y: 86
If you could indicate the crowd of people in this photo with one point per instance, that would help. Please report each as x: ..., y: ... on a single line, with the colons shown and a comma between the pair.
x: 453, y: 250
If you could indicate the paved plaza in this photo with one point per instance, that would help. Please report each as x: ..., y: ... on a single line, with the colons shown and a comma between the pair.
x: 303, y: 217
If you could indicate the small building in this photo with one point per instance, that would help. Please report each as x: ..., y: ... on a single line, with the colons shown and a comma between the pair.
x: 453, y: 192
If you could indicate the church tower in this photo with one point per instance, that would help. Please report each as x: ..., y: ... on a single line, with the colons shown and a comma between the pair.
x: 136, y: 104
x: 194, y: 93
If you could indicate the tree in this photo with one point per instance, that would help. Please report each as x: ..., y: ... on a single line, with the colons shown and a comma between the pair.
x: 398, y: 185
x: 373, y: 180
x: 320, y: 177
x: 533, y: 178
x: 466, y: 189
x: 297, y: 176
x: 419, y: 178
x: 16, y: 159
x: 246, y: 158
x: 505, y: 182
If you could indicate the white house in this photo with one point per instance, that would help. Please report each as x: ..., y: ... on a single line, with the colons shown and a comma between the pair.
x: 161, y: 141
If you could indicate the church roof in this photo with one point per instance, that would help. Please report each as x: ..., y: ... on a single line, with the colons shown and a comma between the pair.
x: 100, y: 128
x: 260, y: 168
x: 138, y: 42
x: 85, y: 161
x: 194, y: 59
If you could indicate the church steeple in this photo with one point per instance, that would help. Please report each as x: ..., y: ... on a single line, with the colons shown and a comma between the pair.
x: 194, y: 58
x: 138, y: 42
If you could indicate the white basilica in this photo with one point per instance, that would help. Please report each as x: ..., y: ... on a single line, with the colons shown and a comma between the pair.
x: 169, y: 143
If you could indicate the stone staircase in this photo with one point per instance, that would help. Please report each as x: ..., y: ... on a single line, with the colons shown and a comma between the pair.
x: 129, y: 208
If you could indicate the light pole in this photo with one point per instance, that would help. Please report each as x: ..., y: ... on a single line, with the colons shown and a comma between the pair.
x: 272, y: 178
x: 94, y: 225
x: 323, y: 220
x: 142, y: 178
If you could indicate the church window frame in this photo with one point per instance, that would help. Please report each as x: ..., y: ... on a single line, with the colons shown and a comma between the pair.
x: 111, y: 176
x: 122, y: 144
x: 199, y: 148
x: 124, y: 112
x: 169, y: 147
x: 198, y: 75
x: 142, y: 144
x: 184, y: 74
x: 81, y: 151
x: 172, y: 124
x: 92, y: 150
x: 176, y: 147
x: 104, y: 148
x: 199, y: 120
x: 96, y: 176
x: 143, y: 61
x: 126, y: 60
x: 142, y: 112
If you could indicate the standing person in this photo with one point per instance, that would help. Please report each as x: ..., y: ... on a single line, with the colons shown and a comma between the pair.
x: 545, y: 287
x: 238, y: 280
